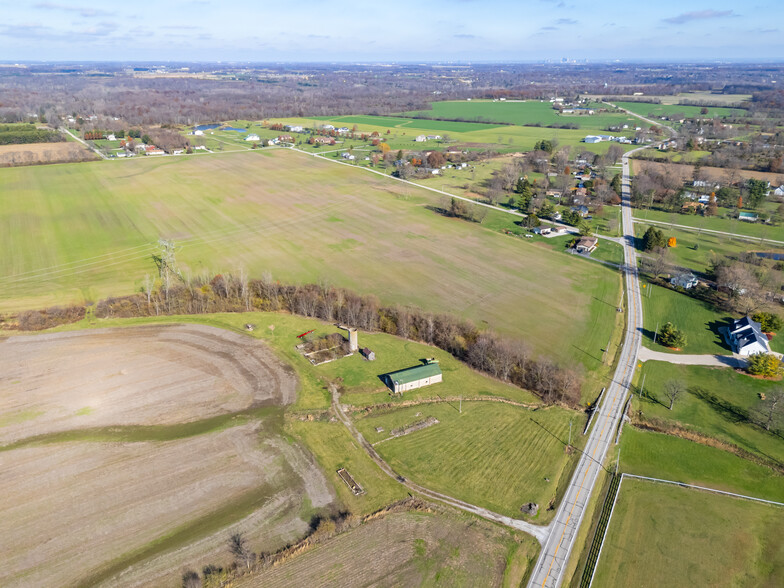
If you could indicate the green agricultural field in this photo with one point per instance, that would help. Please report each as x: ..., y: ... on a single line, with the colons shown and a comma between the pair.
x: 407, y: 123
x: 657, y: 110
x: 522, y: 113
x: 76, y: 233
x: 718, y: 402
x: 663, y: 535
x: 671, y: 458
x: 699, y: 320
x: 492, y: 454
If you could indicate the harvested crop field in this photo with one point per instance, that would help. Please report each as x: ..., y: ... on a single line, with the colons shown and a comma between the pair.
x: 685, y: 172
x: 407, y: 549
x: 35, y: 153
x: 158, y: 375
x: 259, y: 211
x: 123, y: 478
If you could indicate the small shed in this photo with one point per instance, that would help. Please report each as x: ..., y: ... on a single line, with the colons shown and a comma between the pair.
x: 368, y: 354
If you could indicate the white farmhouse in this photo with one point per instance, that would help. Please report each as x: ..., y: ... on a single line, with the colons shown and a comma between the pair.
x: 745, y: 336
x: 252, y: 138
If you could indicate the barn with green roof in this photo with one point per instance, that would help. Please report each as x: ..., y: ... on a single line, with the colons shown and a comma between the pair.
x: 415, y: 377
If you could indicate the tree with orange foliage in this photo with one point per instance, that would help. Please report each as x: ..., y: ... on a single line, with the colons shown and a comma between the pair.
x: 672, y: 242
x: 567, y: 170
x: 385, y: 148
x: 740, y: 201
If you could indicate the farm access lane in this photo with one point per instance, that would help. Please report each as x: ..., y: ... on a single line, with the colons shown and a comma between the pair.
x: 552, y: 562
x: 538, y: 531
x: 97, y: 151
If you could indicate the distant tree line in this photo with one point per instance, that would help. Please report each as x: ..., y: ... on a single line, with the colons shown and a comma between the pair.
x: 23, y: 134
x: 505, y: 359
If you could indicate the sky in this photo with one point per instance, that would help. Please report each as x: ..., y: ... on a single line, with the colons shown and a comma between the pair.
x: 396, y: 31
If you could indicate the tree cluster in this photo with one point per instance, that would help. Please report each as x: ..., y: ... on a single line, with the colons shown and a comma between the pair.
x: 499, y: 357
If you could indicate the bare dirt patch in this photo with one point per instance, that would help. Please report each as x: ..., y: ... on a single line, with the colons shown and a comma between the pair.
x: 133, y: 376
x: 35, y: 153
x: 72, y: 507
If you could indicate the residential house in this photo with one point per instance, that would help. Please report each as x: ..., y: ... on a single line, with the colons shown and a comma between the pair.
x: 328, y: 127
x: 285, y: 139
x: 111, y: 138
x: 581, y: 210
x: 420, y: 138
x: 294, y: 128
x: 745, y: 336
x: 252, y: 137
x: 414, y: 377
x: 686, y: 280
x: 586, y: 245
x: 592, y: 139
x: 347, y: 155
x: 779, y: 191
x: 542, y: 231
x: 343, y: 130
x: 434, y: 137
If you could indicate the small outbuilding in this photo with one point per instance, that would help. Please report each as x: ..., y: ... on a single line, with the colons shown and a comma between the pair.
x: 415, y: 377
x: 368, y: 354
x: 586, y: 245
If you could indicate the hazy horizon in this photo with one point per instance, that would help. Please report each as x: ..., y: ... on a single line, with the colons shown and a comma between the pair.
x: 316, y: 31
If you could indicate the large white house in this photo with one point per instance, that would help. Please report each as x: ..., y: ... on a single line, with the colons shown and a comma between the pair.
x: 745, y: 336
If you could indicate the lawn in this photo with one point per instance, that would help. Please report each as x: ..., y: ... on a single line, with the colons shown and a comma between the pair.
x: 671, y: 458
x: 522, y: 113
x: 77, y: 233
x: 758, y: 232
x: 697, y: 319
x: 492, y: 454
x: 663, y: 535
x: 717, y: 403
x: 694, y: 249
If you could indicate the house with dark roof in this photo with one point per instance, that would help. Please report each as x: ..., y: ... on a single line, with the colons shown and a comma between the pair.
x: 745, y: 336
x: 414, y: 377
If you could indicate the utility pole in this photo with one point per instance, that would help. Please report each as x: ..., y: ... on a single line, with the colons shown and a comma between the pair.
x: 461, y: 403
x: 642, y: 388
x: 570, y: 433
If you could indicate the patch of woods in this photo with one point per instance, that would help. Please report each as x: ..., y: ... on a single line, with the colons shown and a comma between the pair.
x: 456, y: 208
x: 322, y: 528
x: 23, y: 134
x: 506, y: 359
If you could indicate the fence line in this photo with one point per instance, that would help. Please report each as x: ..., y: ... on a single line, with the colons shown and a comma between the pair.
x: 706, y: 489
x: 607, y: 526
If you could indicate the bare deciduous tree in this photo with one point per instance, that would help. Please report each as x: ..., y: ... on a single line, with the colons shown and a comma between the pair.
x: 238, y: 546
x: 770, y: 411
x: 672, y: 390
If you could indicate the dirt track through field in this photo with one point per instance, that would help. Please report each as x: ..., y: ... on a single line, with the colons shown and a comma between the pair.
x: 71, y: 510
x: 154, y: 375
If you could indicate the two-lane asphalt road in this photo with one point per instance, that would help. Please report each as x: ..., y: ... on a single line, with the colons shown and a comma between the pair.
x: 555, y: 554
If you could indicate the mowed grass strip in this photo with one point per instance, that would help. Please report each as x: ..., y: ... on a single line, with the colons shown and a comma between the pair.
x: 493, y: 455
x: 664, y: 535
x: 82, y: 232
x: 664, y: 456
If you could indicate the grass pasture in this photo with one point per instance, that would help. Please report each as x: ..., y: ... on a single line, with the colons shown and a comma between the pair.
x: 492, y: 454
x: 757, y: 233
x: 718, y: 404
x: 671, y: 458
x: 79, y: 233
x: 664, y: 535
